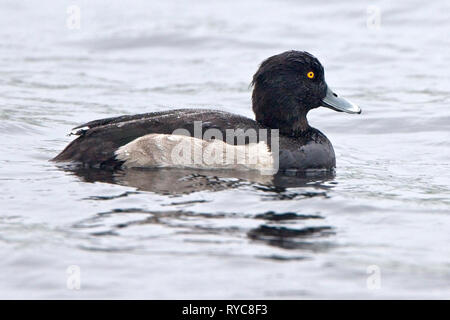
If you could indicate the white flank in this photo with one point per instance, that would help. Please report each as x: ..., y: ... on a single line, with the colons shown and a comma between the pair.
x: 178, y: 151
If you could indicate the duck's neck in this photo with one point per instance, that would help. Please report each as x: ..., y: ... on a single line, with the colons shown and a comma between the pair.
x: 299, y: 126
x: 293, y: 125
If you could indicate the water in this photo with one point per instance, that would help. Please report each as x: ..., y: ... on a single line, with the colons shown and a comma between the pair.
x: 182, y: 234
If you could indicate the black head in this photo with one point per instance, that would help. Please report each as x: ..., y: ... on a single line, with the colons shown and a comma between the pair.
x: 287, y: 86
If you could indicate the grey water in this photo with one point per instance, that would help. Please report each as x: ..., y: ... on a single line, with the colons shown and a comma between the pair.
x: 377, y: 228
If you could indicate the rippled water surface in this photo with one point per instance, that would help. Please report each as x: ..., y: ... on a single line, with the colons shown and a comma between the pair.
x: 198, y: 234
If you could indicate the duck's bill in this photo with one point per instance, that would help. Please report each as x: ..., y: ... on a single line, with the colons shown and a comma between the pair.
x: 334, y: 102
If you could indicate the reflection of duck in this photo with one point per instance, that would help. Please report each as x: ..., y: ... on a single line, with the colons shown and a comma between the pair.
x: 178, y: 181
x: 284, y: 230
x: 292, y: 238
x: 286, y: 87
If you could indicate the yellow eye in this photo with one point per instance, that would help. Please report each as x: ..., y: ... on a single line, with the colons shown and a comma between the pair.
x: 310, y: 74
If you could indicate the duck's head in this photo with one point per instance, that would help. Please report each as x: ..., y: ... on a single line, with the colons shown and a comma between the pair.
x: 287, y: 86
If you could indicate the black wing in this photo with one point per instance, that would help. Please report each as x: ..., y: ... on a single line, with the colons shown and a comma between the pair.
x: 99, y: 139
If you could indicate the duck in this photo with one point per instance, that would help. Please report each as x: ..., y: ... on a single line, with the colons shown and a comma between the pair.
x: 286, y: 87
